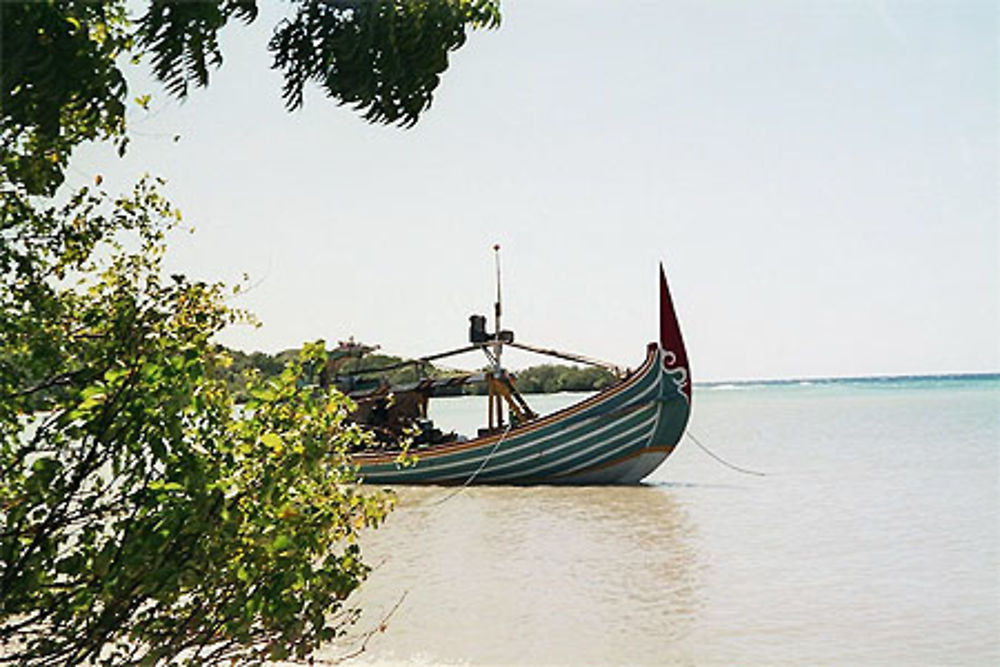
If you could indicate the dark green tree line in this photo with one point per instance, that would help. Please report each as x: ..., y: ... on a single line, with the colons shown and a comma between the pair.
x: 552, y: 378
x: 541, y: 379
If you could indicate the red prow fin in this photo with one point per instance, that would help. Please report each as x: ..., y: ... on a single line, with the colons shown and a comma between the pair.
x: 670, y: 335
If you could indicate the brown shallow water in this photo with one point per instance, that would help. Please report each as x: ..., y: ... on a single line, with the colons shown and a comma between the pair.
x: 873, y: 539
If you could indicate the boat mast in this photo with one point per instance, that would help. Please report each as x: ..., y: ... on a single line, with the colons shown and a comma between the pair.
x: 495, y: 401
x: 497, y: 345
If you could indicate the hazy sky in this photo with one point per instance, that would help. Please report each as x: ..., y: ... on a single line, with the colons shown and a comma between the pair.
x: 820, y: 180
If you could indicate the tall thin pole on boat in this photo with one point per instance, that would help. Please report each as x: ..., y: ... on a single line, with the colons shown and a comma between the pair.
x: 498, y: 346
x: 496, y: 405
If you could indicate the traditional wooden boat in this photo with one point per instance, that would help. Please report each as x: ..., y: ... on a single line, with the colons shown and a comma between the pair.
x: 617, y: 436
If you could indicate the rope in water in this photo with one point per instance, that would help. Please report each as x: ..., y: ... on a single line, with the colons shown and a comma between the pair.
x: 478, y: 470
x: 718, y: 458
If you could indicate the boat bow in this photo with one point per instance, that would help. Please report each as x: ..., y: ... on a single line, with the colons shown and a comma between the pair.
x: 675, y: 358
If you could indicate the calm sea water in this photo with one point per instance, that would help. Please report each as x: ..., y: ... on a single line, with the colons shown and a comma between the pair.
x: 872, y: 539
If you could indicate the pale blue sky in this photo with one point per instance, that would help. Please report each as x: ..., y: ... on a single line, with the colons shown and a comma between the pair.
x: 819, y: 178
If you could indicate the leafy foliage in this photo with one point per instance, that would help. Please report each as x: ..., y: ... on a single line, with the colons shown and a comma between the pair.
x: 183, y: 38
x: 142, y: 517
x: 61, y: 83
x: 271, y: 365
x: 243, y: 365
x: 383, y: 57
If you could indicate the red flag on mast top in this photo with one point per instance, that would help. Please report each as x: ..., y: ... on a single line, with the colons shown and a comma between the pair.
x: 670, y: 334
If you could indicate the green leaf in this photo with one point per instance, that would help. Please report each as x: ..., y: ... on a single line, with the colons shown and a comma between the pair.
x: 281, y: 543
x: 273, y: 442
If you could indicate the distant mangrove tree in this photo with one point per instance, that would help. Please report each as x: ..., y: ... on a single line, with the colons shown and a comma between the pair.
x: 541, y: 379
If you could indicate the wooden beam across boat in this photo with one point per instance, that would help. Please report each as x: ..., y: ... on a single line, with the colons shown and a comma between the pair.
x: 618, y: 371
x: 430, y: 386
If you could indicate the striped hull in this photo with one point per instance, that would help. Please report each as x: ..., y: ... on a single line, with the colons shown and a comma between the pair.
x: 618, y: 436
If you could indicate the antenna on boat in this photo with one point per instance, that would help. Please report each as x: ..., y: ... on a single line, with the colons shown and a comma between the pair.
x: 497, y: 346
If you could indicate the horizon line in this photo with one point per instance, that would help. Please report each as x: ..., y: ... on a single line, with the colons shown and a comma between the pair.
x: 848, y: 378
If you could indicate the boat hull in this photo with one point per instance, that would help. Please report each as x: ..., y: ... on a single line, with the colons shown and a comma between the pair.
x: 618, y: 436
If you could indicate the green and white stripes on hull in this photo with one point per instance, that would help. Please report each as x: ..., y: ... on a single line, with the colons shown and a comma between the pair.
x: 616, y: 437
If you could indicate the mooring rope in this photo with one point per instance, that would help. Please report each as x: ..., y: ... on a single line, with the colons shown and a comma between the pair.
x: 718, y: 458
x: 478, y: 470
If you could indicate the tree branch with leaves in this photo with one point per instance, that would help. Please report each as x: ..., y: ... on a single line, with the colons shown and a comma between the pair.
x: 143, y: 516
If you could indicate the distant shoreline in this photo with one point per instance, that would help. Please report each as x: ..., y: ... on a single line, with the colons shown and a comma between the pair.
x: 859, y: 379
x: 559, y: 378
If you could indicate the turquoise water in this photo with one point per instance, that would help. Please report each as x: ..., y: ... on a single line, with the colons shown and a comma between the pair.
x: 871, y: 539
